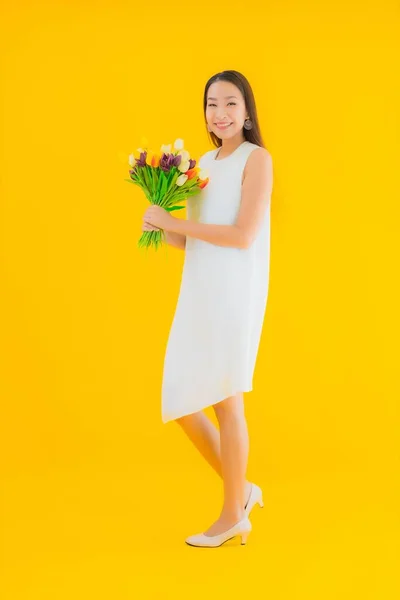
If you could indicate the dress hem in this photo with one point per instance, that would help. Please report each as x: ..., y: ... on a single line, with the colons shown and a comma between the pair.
x: 191, y: 412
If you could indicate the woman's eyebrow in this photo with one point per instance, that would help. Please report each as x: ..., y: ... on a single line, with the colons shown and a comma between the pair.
x: 226, y: 97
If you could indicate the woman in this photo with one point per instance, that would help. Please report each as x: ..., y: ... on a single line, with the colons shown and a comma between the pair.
x: 214, y: 338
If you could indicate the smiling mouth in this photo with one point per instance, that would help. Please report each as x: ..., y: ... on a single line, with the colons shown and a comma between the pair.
x: 223, y: 125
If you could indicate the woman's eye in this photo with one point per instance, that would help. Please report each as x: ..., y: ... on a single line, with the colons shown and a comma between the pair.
x: 234, y: 103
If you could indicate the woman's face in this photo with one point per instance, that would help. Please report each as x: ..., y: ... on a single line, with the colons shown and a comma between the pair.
x: 226, y: 110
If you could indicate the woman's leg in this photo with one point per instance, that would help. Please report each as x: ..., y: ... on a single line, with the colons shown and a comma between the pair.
x: 234, y: 455
x: 206, y: 438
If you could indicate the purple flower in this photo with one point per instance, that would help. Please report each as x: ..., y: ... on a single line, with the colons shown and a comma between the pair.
x: 192, y: 163
x: 141, y: 162
x: 168, y: 161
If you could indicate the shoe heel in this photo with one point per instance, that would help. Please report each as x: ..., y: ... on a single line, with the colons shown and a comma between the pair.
x: 244, y: 537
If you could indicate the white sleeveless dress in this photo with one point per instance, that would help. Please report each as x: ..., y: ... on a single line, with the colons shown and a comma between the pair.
x: 216, y: 330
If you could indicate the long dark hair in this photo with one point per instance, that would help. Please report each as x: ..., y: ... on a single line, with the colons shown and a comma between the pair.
x: 252, y: 135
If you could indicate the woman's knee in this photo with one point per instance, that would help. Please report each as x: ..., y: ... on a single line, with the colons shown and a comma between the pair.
x: 231, y: 407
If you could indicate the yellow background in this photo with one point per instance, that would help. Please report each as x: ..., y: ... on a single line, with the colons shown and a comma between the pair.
x: 97, y: 495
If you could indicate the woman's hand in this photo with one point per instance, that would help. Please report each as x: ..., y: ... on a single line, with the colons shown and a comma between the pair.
x: 158, y: 217
x: 148, y: 227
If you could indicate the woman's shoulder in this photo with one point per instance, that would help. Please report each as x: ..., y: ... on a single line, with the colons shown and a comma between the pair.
x: 258, y: 155
x: 264, y: 150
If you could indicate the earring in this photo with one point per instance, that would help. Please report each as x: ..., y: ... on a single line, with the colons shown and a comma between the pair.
x: 247, y: 124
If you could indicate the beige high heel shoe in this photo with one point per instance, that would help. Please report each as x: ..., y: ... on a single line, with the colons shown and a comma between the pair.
x: 256, y: 497
x: 242, y: 528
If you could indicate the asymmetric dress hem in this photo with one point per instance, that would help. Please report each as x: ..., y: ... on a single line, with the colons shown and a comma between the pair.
x: 172, y: 416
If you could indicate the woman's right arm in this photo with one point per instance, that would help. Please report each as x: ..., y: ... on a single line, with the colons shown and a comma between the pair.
x: 178, y: 240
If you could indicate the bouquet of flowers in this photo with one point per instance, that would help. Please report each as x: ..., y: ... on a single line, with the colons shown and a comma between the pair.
x: 166, y: 178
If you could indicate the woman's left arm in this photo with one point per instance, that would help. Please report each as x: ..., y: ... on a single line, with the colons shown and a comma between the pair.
x: 256, y: 192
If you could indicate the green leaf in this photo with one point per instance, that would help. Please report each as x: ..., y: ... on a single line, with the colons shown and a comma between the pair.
x: 164, y: 184
x: 146, y: 177
x: 151, y: 179
x: 171, y: 176
x: 160, y: 183
x: 171, y: 189
x: 171, y: 208
x: 156, y: 174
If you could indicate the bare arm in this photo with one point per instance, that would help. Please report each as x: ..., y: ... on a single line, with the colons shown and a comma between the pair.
x: 221, y: 235
x: 256, y: 190
x: 178, y: 240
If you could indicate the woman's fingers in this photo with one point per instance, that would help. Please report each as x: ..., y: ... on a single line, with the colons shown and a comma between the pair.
x: 148, y: 227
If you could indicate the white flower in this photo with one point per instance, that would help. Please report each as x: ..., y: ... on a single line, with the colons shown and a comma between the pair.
x: 185, y: 154
x: 131, y: 160
x: 178, y: 144
x: 203, y: 174
x: 184, y: 166
x: 140, y: 150
x: 181, y: 179
x: 166, y: 148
